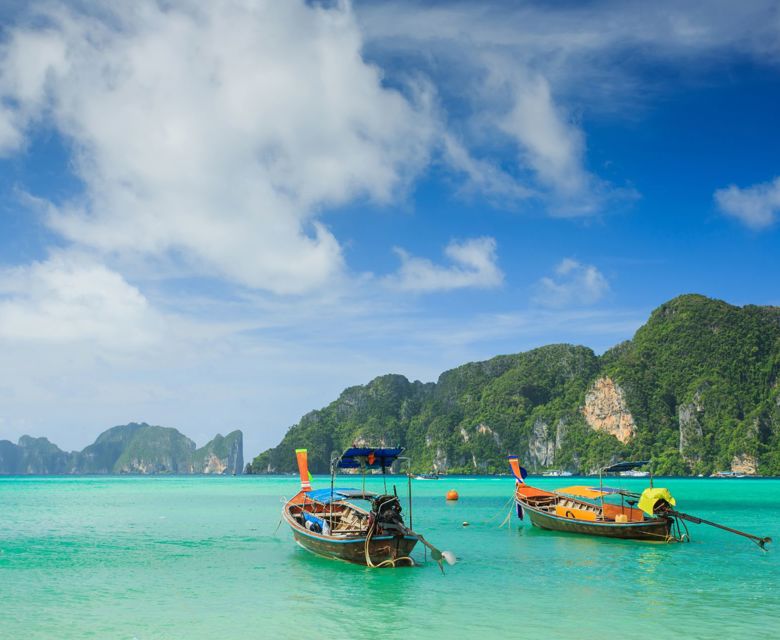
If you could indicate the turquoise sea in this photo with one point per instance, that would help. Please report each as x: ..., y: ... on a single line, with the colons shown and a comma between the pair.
x: 200, y: 557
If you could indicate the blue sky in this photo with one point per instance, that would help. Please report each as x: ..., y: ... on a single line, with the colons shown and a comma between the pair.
x: 217, y: 217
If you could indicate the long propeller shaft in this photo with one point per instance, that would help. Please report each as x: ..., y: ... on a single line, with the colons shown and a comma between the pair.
x: 761, y: 542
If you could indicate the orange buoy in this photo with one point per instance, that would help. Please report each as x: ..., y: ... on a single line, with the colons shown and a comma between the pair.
x: 452, y: 495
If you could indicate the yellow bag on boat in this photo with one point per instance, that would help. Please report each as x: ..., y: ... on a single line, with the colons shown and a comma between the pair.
x: 651, y: 496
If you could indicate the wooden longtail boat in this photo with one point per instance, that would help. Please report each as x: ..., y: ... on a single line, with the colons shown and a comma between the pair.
x: 329, y: 523
x: 570, y: 509
x: 582, y: 509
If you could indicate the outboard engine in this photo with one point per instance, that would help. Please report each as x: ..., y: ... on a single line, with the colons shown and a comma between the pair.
x: 386, y: 512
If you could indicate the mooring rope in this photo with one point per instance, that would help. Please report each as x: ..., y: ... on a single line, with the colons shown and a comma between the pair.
x: 507, y: 519
x: 283, y: 500
x: 391, y: 562
x: 501, y: 511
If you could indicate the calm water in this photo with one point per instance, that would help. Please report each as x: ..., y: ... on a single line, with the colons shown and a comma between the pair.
x: 153, y: 558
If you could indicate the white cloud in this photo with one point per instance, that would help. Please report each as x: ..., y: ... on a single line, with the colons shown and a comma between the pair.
x: 757, y: 206
x: 550, y: 144
x: 68, y: 299
x: 214, y: 132
x: 483, y: 176
x: 578, y: 38
x: 474, y: 266
x: 574, y: 283
x: 534, y: 70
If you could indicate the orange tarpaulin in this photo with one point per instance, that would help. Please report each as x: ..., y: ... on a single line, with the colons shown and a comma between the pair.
x: 582, y: 492
x: 525, y: 491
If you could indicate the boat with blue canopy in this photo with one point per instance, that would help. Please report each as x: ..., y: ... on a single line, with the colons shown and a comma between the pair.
x: 356, y: 525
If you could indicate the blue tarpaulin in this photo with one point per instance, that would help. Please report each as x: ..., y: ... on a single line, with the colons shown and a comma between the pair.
x: 324, y: 495
x: 369, y: 458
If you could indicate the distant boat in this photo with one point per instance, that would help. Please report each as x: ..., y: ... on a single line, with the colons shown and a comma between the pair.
x: 634, y: 473
x: 427, y: 476
x: 555, y: 473
x: 728, y: 474
x: 327, y: 521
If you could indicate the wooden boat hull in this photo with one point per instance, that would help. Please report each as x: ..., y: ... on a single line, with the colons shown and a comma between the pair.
x: 381, y: 548
x: 656, y: 529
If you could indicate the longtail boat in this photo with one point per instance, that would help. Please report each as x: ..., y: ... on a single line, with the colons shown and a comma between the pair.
x: 583, y: 509
x: 327, y: 521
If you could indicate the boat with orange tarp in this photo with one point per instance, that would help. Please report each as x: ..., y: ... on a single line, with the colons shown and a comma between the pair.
x: 649, y: 515
x: 582, y: 509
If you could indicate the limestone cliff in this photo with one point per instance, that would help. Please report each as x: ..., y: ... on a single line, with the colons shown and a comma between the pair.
x: 132, y: 448
x: 223, y: 455
x: 545, y: 441
x: 690, y: 417
x: 33, y: 456
x: 440, y: 461
x: 606, y: 410
x: 485, y: 430
x: 744, y: 463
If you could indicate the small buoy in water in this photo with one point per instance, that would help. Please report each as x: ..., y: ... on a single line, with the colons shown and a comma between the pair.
x: 465, y: 524
x: 452, y: 495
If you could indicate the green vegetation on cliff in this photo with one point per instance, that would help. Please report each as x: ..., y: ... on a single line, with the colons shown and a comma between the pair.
x: 701, y: 379
x: 221, y: 455
x: 695, y: 390
x: 156, y: 450
x: 130, y: 448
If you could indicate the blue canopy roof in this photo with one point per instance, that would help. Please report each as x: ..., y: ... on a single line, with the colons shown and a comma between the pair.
x: 324, y: 495
x: 625, y: 466
x: 368, y: 457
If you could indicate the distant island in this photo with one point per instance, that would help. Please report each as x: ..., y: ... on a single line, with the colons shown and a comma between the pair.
x: 127, y: 449
x: 697, y: 390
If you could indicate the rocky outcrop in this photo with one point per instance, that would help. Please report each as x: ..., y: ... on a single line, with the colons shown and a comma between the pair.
x: 154, y: 465
x: 485, y: 430
x: 744, y: 463
x: 690, y: 416
x: 440, y: 461
x: 545, y: 442
x: 480, y: 466
x: 223, y: 455
x: 541, y: 446
x: 214, y: 465
x: 606, y: 410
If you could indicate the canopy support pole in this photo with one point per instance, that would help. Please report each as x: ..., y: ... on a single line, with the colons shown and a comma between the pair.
x: 332, y: 480
x: 409, y: 479
x: 601, y: 490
